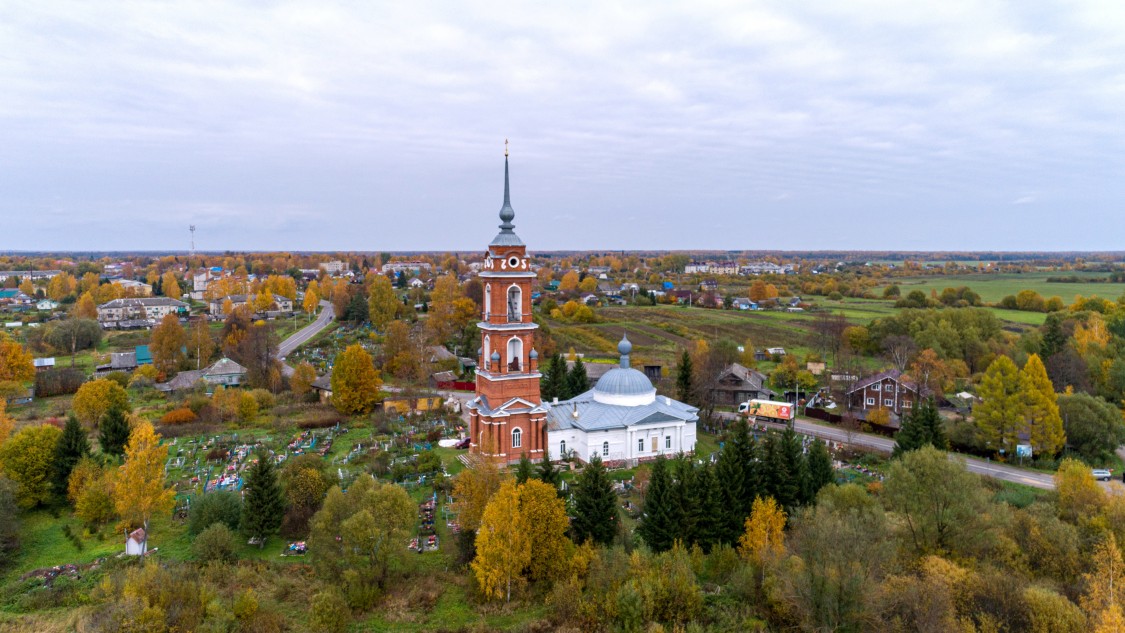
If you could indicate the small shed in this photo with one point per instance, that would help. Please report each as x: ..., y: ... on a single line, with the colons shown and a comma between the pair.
x: 135, y: 544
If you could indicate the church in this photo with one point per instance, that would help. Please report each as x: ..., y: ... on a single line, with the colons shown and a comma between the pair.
x: 622, y: 420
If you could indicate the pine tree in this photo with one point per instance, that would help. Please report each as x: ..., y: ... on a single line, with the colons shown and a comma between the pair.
x: 595, y: 505
x: 685, y: 383
x: 738, y: 481
x: 1044, y: 424
x: 798, y: 464
x: 821, y: 472
x: 523, y: 469
x: 71, y: 447
x: 685, y: 501
x: 577, y: 382
x: 782, y: 476
x: 263, y: 506
x: 114, y: 432
x: 1053, y: 336
x: 920, y: 427
x: 658, y: 526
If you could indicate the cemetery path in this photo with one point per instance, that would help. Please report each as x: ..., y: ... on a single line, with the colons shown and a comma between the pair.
x: 302, y: 336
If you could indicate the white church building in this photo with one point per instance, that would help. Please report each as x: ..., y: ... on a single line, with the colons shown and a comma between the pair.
x: 622, y: 419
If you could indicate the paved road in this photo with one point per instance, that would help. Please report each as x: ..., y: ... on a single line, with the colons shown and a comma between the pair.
x: 886, y: 445
x: 301, y: 336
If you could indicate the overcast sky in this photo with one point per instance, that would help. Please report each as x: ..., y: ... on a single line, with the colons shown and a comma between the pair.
x: 728, y: 125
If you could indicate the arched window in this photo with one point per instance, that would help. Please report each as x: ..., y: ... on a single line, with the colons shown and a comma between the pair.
x: 515, y: 353
x: 517, y: 438
x: 605, y: 449
x: 487, y: 301
x: 515, y: 304
x: 562, y: 449
x: 487, y: 352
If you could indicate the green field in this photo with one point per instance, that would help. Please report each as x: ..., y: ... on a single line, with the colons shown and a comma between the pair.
x: 992, y: 287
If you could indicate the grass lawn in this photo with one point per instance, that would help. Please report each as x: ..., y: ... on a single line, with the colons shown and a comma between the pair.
x: 992, y: 287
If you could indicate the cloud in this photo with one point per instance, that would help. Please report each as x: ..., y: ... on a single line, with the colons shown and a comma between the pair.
x: 379, y: 126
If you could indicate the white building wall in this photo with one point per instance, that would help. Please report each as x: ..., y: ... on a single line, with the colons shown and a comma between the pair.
x: 623, y: 442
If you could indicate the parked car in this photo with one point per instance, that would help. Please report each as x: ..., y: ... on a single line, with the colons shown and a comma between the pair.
x: 1101, y: 474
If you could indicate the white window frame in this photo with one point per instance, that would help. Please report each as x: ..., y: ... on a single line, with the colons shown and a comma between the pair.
x: 605, y: 449
x: 514, y: 349
x: 906, y: 404
x: 487, y: 301
x: 562, y: 448
x: 871, y: 402
x: 888, y: 402
x: 517, y: 438
x: 508, y: 301
x: 640, y: 444
x: 877, y: 387
x: 668, y: 442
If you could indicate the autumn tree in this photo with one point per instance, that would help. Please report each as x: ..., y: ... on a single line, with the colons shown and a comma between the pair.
x: 9, y: 522
x: 171, y: 285
x: 1000, y: 415
x: 1105, y: 588
x: 311, y: 302
x: 1094, y: 428
x: 200, y: 343
x: 942, y: 504
x: 544, y: 515
x: 15, y: 362
x: 929, y: 372
x: 72, y: 446
x: 263, y: 504
x: 595, y: 505
x: 168, y: 343
x: 439, y: 322
x: 140, y: 493
x: 7, y: 424
x: 1041, y: 409
x: 569, y: 282
x: 1079, y: 495
x: 302, y: 379
x: 503, y: 545
x: 355, y: 382
x: 85, y: 308
x: 26, y: 459
x: 401, y: 354
x: 73, y: 335
x: 382, y: 303
x: 764, y: 538
x: 96, y: 397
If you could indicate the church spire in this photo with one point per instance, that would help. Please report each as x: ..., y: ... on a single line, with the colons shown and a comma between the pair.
x: 507, y: 236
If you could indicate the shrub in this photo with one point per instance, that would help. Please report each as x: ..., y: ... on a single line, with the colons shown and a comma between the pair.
x: 329, y: 613
x: 265, y: 399
x: 182, y: 415
x: 216, y: 543
x: 215, y: 507
x: 118, y: 377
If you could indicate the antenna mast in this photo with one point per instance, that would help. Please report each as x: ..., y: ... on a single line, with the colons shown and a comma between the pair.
x: 192, y: 229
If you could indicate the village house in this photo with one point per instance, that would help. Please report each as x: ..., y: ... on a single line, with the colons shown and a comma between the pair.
x: 334, y: 267
x: 134, y: 287
x: 412, y: 267
x: 215, y: 307
x: 142, y: 309
x: 29, y: 275
x: 737, y: 384
x: 223, y: 372
x: 886, y: 390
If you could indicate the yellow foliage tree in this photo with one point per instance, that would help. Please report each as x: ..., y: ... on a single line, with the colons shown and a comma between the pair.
x: 1079, y: 494
x: 85, y: 308
x: 27, y: 288
x: 569, y: 282
x: 302, y: 379
x: 440, y: 320
x: 310, y: 303
x: 7, y: 424
x: 171, y: 285
x: 764, y: 538
x: 589, y: 284
x: 263, y: 301
x: 1090, y: 335
x: 140, y: 493
x: 15, y: 361
x: 167, y: 346
x: 1105, y: 587
x: 247, y: 407
x: 503, y: 545
x: 96, y: 397
x: 355, y: 382
x: 472, y: 488
x: 1044, y: 423
x: 382, y: 304
x: 27, y: 459
x: 544, y: 514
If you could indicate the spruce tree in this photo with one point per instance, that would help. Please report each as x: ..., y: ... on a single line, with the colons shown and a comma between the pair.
x: 658, y: 525
x: 920, y: 427
x: 577, y: 382
x: 548, y: 474
x: 795, y: 457
x: 595, y: 505
x: 71, y: 447
x: 114, y: 432
x: 523, y: 470
x: 262, y: 504
x: 685, y: 504
x: 1053, y: 336
x: 736, y: 472
x: 709, y: 527
x: 553, y: 384
x: 781, y: 477
x: 685, y: 381
x: 821, y: 472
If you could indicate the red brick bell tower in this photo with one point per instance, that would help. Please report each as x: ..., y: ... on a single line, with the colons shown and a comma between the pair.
x: 507, y: 419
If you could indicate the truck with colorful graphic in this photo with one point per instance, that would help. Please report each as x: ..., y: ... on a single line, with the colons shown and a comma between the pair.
x: 767, y: 410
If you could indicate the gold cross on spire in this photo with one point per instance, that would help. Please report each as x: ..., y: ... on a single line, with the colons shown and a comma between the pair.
x: 505, y: 148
